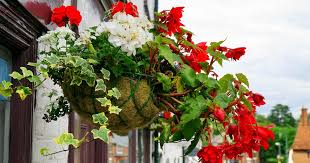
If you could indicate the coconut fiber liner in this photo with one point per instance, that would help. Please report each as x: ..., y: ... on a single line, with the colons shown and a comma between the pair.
x: 136, y: 102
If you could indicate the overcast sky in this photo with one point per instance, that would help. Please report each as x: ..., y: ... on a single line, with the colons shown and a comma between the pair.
x: 276, y: 34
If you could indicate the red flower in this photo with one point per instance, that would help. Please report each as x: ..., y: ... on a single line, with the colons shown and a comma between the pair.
x: 59, y: 16
x: 198, y: 55
x: 256, y: 99
x: 171, y: 19
x: 236, y: 53
x: 219, y: 114
x: 63, y: 14
x: 74, y: 15
x: 128, y: 8
x: 265, y: 134
x: 131, y: 9
x: 210, y: 154
x: 167, y: 115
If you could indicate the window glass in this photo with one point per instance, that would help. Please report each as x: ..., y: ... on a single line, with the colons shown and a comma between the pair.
x: 5, y: 68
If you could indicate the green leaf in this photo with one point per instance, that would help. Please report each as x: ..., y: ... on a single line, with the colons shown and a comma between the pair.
x: 33, y: 64
x: 100, y: 118
x: 35, y: 79
x: 222, y: 100
x: 44, y: 151
x: 193, y: 108
x: 77, y: 80
x: 247, y: 103
x: 6, y: 89
x: 100, y: 85
x: 104, y: 101
x: 165, y: 134
x: 190, y: 128
x: 16, y: 75
x: 102, y: 133
x: 26, y: 72
x: 225, y: 81
x: 178, y: 84
x: 106, y: 74
x: 194, y: 143
x: 165, y: 80
x: 67, y: 139
x: 189, y: 76
x: 114, y: 109
x: 23, y: 92
x: 115, y: 93
x: 166, y: 52
x: 243, y: 79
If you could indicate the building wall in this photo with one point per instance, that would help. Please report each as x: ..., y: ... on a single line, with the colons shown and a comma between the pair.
x: 301, y: 157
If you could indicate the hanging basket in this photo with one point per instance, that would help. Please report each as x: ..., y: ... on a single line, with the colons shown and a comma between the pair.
x: 136, y: 102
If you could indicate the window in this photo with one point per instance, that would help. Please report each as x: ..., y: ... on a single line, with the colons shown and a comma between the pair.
x: 5, y: 68
x: 118, y: 149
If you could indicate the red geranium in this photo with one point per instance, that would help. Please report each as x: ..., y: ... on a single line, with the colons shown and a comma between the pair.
x: 236, y: 53
x: 128, y: 8
x: 172, y: 20
x: 63, y: 14
x: 198, y: 55
x: 210, y: 154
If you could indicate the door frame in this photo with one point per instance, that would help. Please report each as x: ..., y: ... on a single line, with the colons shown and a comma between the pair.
x: 19, y: 31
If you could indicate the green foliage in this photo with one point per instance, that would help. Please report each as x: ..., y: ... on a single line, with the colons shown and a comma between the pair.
x: 44, y: 151
x: 243, y: 79
x: 222, y: 100
x: 193, y: 108
x: 166, y: 53
x: 6, y: 89
x: 23, y: 92
x: 165, y: 80
x: 102, y: 134
x: 115, y: 93
x: 100, y: 118
x: 67, y: 139
x: 281, y: 116
x: 188, y: 76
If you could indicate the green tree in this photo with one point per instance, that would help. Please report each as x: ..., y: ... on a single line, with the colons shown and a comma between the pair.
x: 281, y: 116
x: 262, y: 120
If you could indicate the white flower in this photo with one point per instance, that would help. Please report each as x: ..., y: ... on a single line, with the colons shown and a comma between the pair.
x: 86, y: 37
x: 127, y: 32
x: 56, y: 39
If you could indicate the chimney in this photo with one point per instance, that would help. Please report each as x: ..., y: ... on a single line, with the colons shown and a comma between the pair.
x: 304, y: 117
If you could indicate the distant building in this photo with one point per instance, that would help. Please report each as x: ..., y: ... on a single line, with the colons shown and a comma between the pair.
x: 301, y: 145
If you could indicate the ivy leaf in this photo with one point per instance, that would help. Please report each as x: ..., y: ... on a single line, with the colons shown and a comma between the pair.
x: 16, y: 75
x: 67, y: 139
x: 106, y: 74
x: 165, y: 80
x: 100, y: 118
x: 102, y: 133
x: 115, y: 93
x: 243, y: 79
x: 77, y: 80
x: 6, y: 89
x: 104, y: 101
x: 23, y: 92
x: 166, y: 52
x: 189, y: 76
x: 114, y: 109
x: 35, y: 79
x: 44, y: 151
x: 100, y: 85
x: 26, y: 72
x: 222, y: 100
x: 33, y: 64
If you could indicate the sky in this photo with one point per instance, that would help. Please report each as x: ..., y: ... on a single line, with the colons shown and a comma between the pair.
x: 276, y: 34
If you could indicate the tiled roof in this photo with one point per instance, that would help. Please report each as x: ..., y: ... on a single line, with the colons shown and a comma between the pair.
x: 302, y: 138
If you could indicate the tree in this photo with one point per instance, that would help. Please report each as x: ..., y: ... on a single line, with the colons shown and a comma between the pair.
x: 281, y: 116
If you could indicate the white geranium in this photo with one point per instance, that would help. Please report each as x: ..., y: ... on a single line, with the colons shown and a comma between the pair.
x: 127, y: 32
x: 85, y: 37
x: 56, y: 39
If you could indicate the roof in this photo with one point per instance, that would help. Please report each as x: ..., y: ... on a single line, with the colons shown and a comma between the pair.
x: 302, y: 138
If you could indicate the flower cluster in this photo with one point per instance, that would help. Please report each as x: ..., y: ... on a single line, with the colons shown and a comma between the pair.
x: 171, y: 20
x: 127, y: 32
x: 128, y: 8
x: 63, y: 14
x: 56, y: 40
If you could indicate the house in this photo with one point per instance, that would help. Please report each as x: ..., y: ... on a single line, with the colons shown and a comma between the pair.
x: 23, y: 132
x: 301, y: 145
